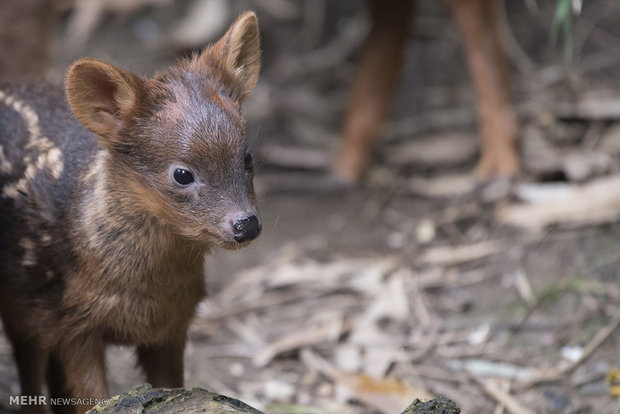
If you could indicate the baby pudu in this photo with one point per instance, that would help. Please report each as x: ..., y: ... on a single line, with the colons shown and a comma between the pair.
x: 108, y: 205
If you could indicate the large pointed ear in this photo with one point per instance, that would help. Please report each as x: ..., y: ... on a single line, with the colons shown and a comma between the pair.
x: 239, y: 50
x: 102, y: 95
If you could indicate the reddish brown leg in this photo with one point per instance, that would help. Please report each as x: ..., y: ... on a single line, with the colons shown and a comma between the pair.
x: 84, y: 359
x: 374, y: 86
x: 163, y: 363
x: 57, y: 385
x: 29, y: 354
x: 489, y: 69
x: 30, y: 359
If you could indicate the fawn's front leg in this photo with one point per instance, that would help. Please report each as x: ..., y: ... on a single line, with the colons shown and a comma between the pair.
x: 57, y: 386
x: 29, y: 354
x: 30, y: 359
x: 163, y: 363
x: 84, y: 362
x: 479, y: 25
x: 374, y: 86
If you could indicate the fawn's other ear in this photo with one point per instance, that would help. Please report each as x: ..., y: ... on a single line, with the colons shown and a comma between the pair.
x: 102, y: 95
x: 239, y: 49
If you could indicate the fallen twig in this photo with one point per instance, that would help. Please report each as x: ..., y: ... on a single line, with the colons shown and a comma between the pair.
x: 559, y: 373
x: 447, y: 255
x: 506, y: 399
x: 298, y: 340
x: 595, y: 202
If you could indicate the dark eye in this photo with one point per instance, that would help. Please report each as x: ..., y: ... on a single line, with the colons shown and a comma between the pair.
x: 247, y: 162
x: 182, y: 176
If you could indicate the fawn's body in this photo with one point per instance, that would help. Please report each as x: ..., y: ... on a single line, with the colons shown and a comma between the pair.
x: 104, y: 232
x: 378, y: 73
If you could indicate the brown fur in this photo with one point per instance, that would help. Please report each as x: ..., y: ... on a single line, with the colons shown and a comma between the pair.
x: 102, y: 245
x: 377, y: 78
x: 26, y: 33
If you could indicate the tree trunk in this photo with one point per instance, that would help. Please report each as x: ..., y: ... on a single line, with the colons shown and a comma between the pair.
x: 145, y: 399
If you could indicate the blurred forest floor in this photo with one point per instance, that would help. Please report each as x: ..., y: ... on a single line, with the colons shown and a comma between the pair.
x: 504, y: 298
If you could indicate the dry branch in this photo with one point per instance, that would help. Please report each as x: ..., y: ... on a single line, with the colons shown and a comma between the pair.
x: 448, y: 255
x: 590, y: 347
x: 592, y: 203
x: 507, y: 400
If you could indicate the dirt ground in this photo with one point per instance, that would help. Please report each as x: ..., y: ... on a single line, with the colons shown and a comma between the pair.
x: 360, y: 300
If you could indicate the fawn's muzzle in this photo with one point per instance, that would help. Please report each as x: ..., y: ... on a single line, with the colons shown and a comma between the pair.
x: 246, y: 229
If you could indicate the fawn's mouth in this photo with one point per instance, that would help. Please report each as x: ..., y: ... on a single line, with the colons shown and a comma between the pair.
x: 227, y: 242
x: 233, y: 245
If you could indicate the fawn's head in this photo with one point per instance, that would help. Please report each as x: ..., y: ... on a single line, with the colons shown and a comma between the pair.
x: 177, y: 140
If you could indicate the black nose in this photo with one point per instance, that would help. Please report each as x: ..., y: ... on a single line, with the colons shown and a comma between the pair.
x: 246, y: 229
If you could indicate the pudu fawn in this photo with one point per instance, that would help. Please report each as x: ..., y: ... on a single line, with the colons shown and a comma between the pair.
x: 104, y: 228
x: 377, y: 78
